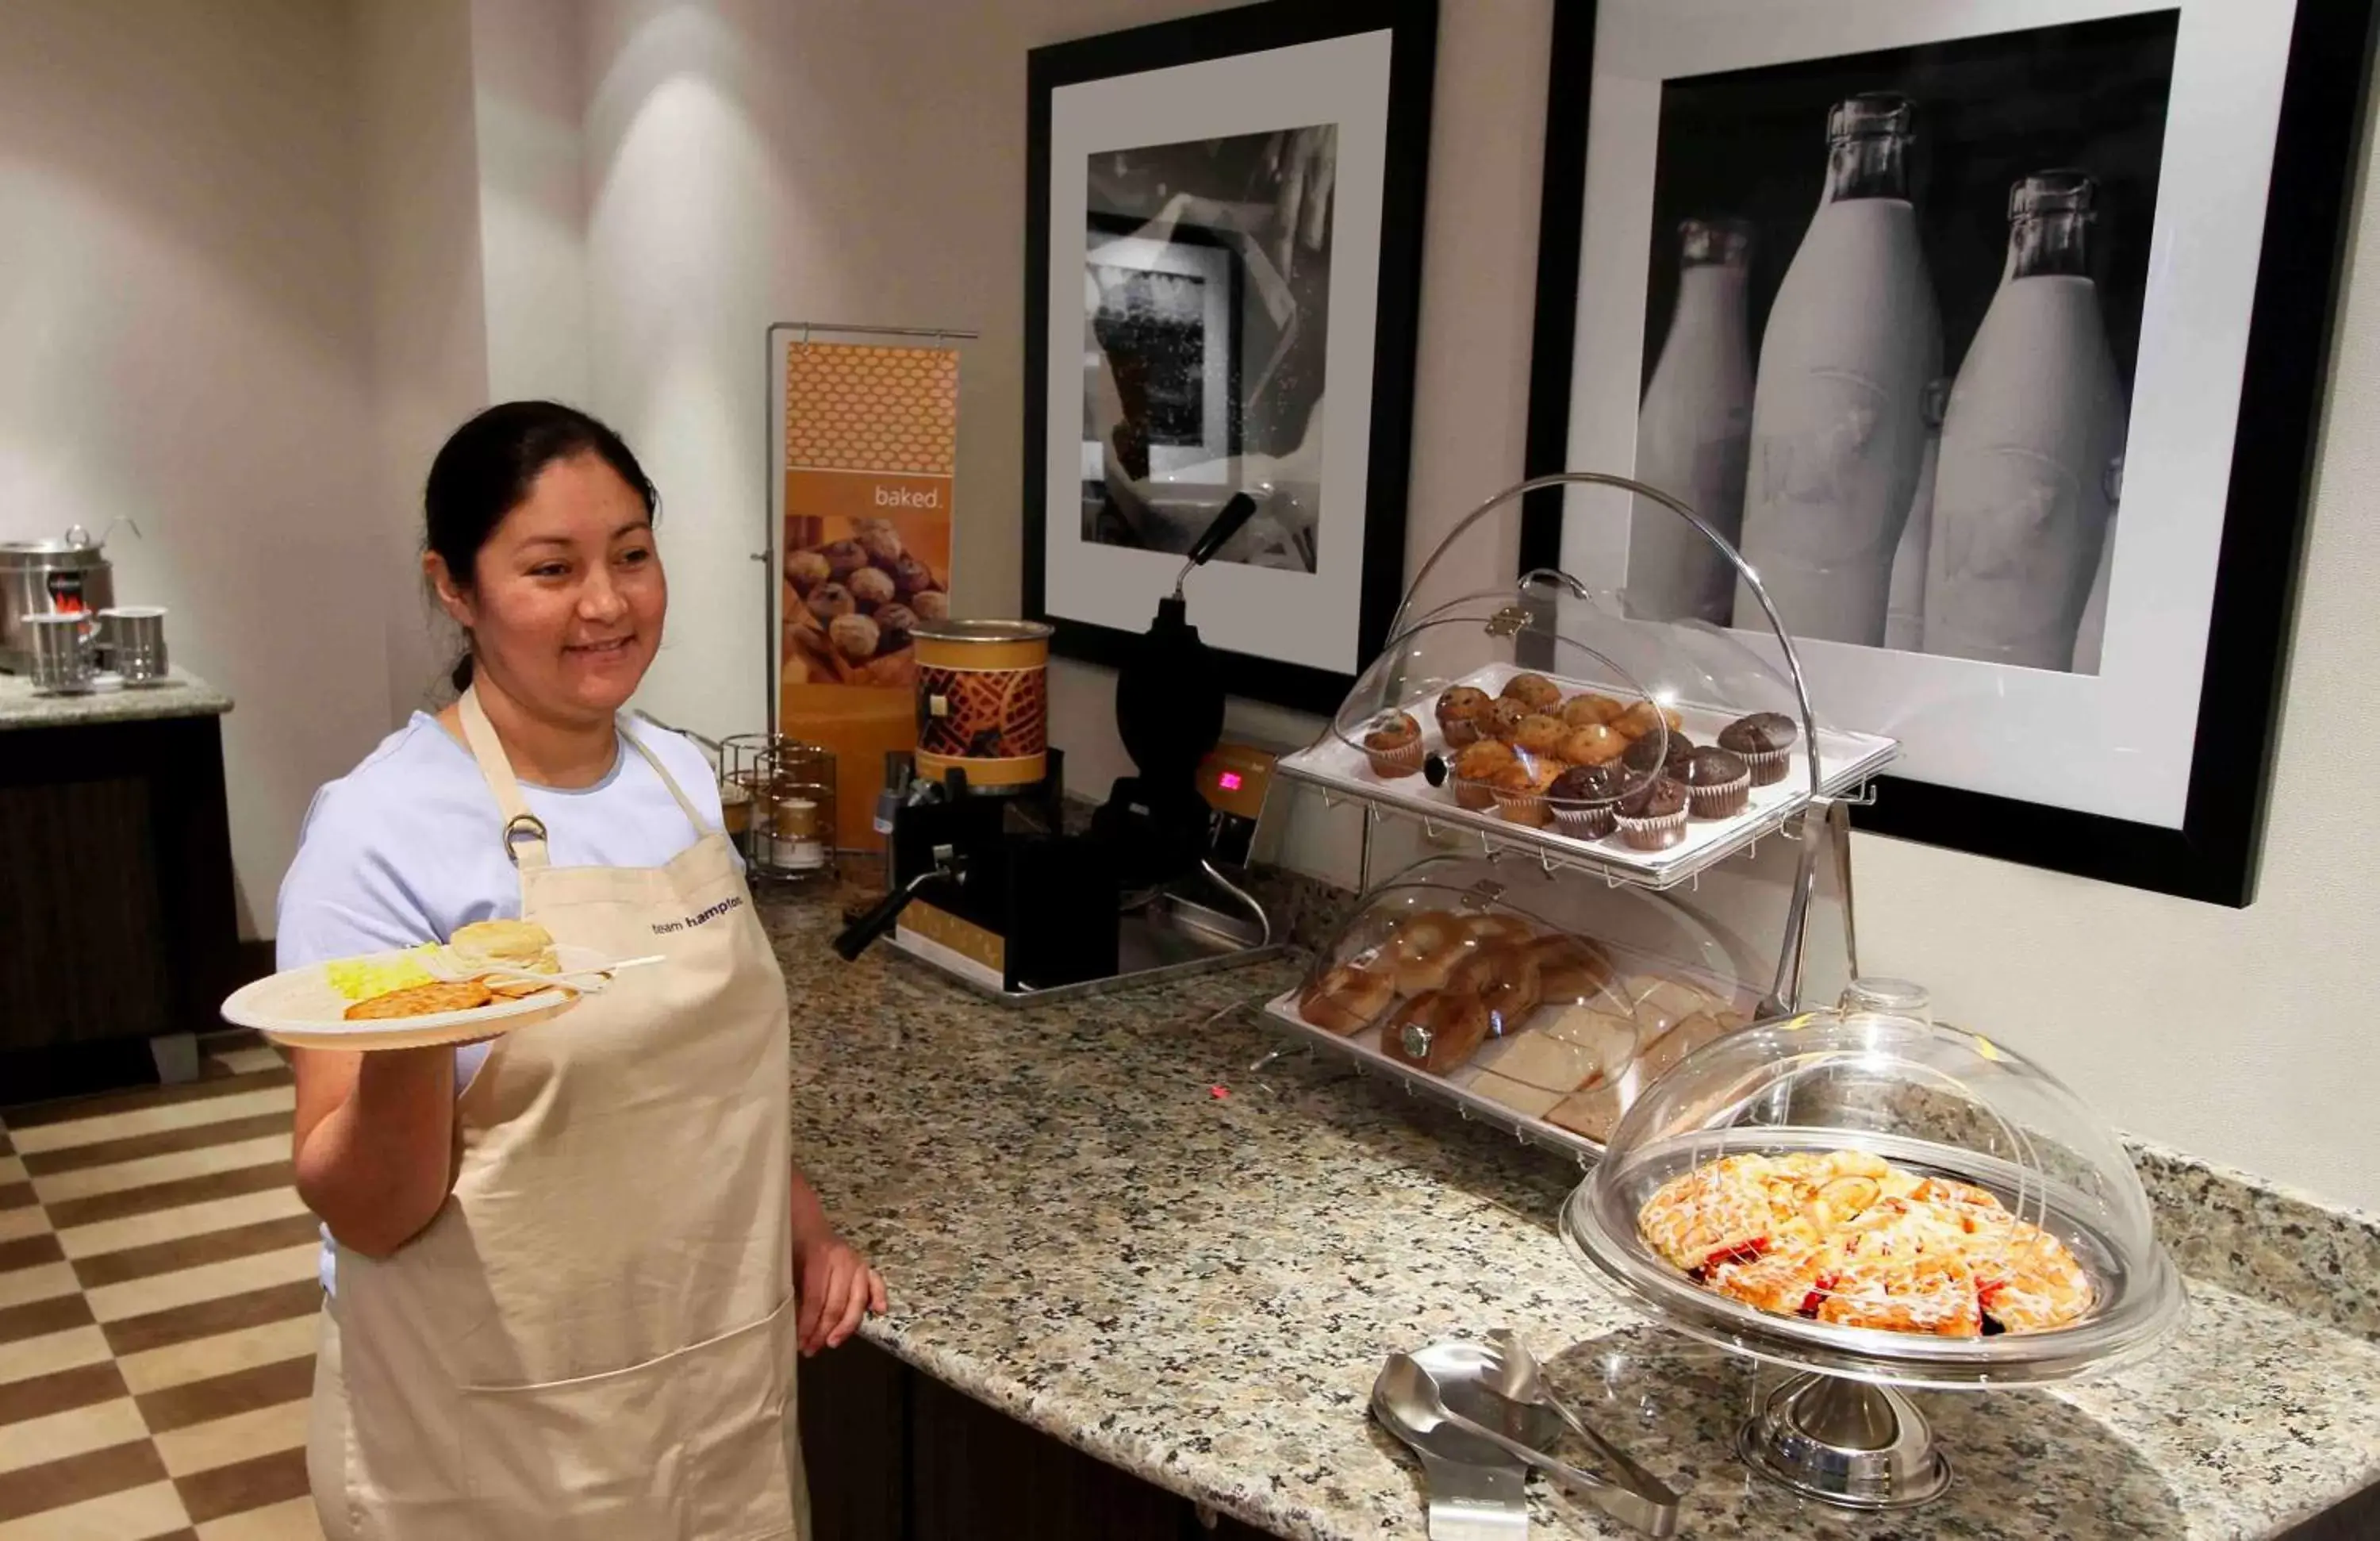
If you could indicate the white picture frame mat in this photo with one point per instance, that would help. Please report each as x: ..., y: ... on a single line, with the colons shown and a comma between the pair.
x: 2119, y: 743
x: 1304, y: 618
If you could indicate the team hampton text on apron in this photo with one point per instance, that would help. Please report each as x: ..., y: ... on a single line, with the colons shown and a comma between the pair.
x: 594, y: 1340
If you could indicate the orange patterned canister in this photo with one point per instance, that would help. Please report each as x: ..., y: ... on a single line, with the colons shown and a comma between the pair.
x: 983, y: 700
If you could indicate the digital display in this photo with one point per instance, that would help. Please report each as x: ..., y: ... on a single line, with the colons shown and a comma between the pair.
x: 1229, y: 780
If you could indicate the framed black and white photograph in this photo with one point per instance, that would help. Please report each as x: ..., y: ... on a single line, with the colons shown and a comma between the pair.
x: 1992, y: 333
x: 1222, y: 283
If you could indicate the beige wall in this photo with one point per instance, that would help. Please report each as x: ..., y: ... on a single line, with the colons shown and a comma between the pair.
x: 182, y: 305
x: 880, y: 150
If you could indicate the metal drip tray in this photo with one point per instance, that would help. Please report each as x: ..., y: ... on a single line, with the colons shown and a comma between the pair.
x: 1164, y: 938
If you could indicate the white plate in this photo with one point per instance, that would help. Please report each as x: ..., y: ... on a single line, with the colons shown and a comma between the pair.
x: 300, y: 1007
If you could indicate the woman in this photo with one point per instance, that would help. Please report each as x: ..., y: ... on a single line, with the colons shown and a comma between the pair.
x: 567, y: 1270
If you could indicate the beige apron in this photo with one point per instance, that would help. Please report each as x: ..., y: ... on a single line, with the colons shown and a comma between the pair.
x: 594, y: 1339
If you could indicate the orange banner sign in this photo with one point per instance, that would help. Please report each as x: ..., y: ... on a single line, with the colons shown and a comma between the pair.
x: 870, y: 451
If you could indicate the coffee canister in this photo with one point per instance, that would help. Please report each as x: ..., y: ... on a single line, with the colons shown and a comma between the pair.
x: 983, y: 701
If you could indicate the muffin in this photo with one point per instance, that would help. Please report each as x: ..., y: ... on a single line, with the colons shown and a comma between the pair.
x: 1539, y: 736
x: 895, y: 622
x: 1533, y: 691
x: 1649, y: 753
x: 871, y: 586
x: 1475, y: 769
x: 1638, y: 720
x: 854, y: 636
x: 912, y: 576
x: 1503, y: 718
x: 1592, y: 744
x: 1764, y: 740
x: 1394, y: 746
x: 844, y: 557
x: 881, y: 541
x: 1581, y: 711
x: 1584, y: 800
x: 806, y: 570
x: 1653, y: 818
x: 830, y: 602
x: 1519, y: 790
x: 1459, y: 711
x: 1718, y: 782
x: 931, y: 604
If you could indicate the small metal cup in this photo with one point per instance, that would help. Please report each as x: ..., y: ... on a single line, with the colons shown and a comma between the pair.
x: 61, y: 647
x: 133, y: 637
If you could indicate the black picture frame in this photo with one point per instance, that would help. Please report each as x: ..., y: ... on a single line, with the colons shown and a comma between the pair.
x: 1197, y: 39
x: 2213, y: 857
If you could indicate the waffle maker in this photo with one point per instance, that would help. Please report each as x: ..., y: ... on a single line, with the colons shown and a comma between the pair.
x: 1168, y: 707
x: 994, y: 890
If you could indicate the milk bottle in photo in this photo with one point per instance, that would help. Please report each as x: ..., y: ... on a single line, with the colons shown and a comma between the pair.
x: 2021, y: 503
x: 1904, y: 620
x: 1693, y: 433
x: 1837, y: 422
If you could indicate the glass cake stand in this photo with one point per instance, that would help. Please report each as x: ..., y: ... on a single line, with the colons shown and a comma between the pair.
x: 1933, y: 1103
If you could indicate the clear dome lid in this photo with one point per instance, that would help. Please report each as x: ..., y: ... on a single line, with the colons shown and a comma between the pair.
x: 1553, y: 709
x: 1868, y: 1194
x: 1542, y: 998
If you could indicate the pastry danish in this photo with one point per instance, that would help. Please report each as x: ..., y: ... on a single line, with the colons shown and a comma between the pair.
x: 1846, y: 1238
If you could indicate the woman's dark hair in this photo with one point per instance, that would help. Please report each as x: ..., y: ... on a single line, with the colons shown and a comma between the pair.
x: 485, y: 469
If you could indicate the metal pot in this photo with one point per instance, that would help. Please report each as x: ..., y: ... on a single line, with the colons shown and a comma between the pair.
x: 71, y: 576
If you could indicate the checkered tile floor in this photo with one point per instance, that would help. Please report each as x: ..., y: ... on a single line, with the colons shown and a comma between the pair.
x: 157, y: 1308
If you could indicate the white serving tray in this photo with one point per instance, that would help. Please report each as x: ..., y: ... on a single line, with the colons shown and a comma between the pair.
x: 1364, y: 1049
x: 1845, y: 762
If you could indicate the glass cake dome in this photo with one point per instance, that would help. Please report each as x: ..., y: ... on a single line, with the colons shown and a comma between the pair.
x: 1873, y: 1194
x: 1876, y: 1201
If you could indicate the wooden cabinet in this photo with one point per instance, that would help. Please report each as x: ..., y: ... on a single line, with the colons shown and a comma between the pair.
x: 116, y: 884
x: 894, y: 1455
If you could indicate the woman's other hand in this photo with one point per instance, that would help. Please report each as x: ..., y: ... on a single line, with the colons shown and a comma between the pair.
x: 835, y: 1289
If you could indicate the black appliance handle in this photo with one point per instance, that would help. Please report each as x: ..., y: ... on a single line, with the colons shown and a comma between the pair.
x: 1225, y: 524
x: 878, y: 917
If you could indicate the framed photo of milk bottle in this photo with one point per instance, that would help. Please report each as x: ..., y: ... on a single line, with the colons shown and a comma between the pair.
x: 1994, y: 333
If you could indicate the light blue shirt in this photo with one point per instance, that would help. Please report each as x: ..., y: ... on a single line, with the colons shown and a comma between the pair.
x: 410, y: 845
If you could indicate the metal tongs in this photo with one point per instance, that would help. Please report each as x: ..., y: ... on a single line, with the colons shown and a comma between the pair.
x: 1504, y: 1370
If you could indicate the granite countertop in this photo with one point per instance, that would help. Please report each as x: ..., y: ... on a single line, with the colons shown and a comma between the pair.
x: 181, y: 694
x: 1099, y: 1218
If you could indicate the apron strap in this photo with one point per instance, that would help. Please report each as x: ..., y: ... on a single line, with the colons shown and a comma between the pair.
x: 693, y: 814
x: 524, y: 831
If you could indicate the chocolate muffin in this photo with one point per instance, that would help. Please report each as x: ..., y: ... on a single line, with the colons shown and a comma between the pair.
x: 1459, y: 711
x: 1653, y: 818
x: 1648, y: 754
x: 1586, y: 799
x: 1719, y: 784
x: 1766, y: 741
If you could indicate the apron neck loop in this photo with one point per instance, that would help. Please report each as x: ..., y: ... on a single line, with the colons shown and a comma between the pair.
x: 693, y: 814
x: 524, y: 834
